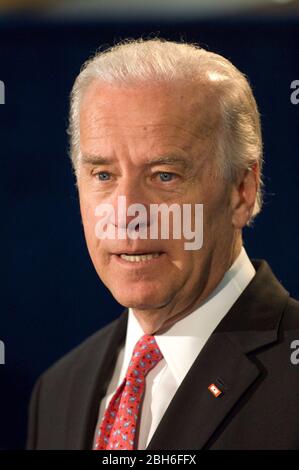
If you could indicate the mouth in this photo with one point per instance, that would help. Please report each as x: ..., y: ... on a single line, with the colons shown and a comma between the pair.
x: 139, y: 257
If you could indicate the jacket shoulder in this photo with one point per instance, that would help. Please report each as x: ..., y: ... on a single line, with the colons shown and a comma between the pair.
x: 82, y: 353
x: 70, y: 377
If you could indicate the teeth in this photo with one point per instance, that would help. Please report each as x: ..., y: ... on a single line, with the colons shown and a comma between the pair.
x: 137, y: 258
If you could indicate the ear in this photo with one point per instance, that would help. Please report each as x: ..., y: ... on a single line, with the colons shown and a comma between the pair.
x: 243, y: 195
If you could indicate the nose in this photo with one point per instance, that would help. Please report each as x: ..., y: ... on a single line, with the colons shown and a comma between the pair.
x: 131, y: 200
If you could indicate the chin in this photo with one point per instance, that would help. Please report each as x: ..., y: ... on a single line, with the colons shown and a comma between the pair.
x: 139, y: 304
x: 147, y: 301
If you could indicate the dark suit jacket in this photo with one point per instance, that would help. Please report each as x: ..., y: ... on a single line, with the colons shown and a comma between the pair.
x: 247, y: 357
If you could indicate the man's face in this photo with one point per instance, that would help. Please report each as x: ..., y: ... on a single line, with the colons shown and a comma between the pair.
x: 123, y: 132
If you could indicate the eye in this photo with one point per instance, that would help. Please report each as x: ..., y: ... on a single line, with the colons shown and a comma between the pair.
x: 166, y: 176
x: 103, y: 176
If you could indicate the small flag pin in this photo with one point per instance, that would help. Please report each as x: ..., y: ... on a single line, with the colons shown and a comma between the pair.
x: 214, y: 390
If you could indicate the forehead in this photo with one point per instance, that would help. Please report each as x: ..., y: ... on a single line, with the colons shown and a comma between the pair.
x: 171, y: 107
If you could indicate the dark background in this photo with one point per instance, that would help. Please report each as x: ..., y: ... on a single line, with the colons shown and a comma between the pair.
x: 51, y: 296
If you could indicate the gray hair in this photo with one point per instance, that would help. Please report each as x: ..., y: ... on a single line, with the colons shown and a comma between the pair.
x: 239, y: 141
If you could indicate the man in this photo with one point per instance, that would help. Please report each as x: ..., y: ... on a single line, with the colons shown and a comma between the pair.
x: 201, y: 358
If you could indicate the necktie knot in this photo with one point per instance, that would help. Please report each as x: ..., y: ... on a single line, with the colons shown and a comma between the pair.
x: 145, y: 356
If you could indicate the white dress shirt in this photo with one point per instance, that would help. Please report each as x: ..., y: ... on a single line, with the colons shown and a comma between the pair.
x: 180, y: 346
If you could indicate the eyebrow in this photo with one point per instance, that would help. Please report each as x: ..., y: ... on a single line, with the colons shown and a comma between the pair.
x: 96, y: 160
x: 163, y: 160
x: 169, y: 160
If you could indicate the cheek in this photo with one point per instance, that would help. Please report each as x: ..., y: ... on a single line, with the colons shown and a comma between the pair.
x: 89, y: 219
x: 182, y: 259
x: 216, y: 212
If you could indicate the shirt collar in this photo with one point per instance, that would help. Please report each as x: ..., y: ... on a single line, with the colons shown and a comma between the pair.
x: 182, y: 342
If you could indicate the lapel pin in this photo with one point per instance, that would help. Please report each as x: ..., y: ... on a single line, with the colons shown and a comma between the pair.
x: 214, y: 390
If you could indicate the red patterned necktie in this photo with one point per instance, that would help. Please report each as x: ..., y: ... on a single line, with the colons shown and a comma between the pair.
x: 118, y: 430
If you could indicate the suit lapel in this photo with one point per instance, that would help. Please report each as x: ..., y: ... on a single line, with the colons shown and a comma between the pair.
x: 89, y: 385
x: 194, y: 414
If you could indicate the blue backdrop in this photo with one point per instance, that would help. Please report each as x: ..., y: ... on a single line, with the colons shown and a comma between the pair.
x: 51, y: 296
